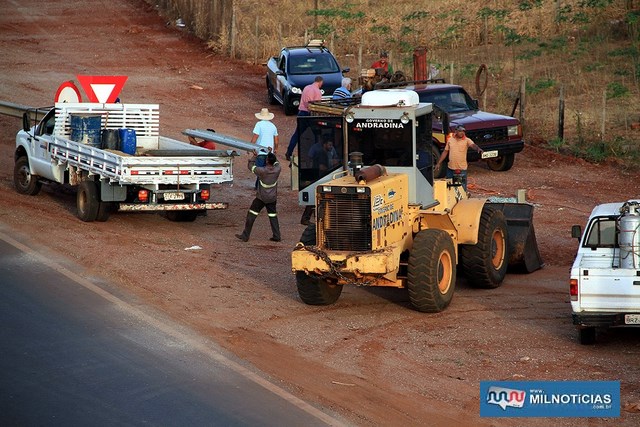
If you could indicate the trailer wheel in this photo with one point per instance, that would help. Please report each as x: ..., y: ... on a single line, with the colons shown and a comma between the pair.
x: 313, y: 290
x: 104, y: 210
x: 502, y: 163
x: 587, y: 335
x: 182, y: 216
x: 485, y: 263
x: 24, y: 182
x: 87, y: 201
x: 431, y: 274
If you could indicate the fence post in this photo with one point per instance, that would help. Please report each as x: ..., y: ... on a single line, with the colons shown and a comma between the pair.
x: 255, y: 52
x: 233, y: 34
x: 523, y: 99
x: 604, y: 114
x: 561, y: 114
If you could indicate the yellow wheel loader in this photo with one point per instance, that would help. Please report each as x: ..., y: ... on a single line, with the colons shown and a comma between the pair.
x: 382, y: 219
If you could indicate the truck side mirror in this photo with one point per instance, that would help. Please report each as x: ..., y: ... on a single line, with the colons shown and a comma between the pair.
x: 346, y: 70
x: 26, y: 122
x: 576, y: 231
x: 474, y: 103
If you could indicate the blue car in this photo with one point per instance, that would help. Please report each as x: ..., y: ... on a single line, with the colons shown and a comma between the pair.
x: 297, y: 67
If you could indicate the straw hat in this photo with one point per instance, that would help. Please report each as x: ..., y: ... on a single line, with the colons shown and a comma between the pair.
x: 264, y: 114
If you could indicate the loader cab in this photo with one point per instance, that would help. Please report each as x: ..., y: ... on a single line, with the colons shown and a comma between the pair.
x: 389, y: 127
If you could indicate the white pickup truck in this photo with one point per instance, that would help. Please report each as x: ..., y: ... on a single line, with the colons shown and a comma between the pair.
x: 605, y: 276
x: 162, y: 174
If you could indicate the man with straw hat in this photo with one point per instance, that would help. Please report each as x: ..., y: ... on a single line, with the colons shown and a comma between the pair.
x: 265, y: 134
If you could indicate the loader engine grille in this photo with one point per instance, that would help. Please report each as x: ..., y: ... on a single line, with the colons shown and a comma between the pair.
x: 344, y: 221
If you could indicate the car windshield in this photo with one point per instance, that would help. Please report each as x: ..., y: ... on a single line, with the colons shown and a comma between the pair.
x: 313, y: 63
x: 452, y: 100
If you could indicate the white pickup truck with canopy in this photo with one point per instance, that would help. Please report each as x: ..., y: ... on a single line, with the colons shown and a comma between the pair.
x: 605, y: 276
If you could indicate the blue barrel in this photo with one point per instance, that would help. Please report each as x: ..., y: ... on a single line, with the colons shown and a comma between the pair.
x: 86, y: 128
x: 128, y: 140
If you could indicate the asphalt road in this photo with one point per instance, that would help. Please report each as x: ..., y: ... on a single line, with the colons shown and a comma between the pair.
x: 72, y: 353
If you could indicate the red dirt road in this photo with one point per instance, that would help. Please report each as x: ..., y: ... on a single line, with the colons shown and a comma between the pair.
x: 369, y: 357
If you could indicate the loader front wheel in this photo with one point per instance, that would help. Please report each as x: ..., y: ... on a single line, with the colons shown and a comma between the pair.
x: 431, y: 274
x: 87, y: 201
x: 314, y: 290
x: 485, y: 263
x: 23, y: 180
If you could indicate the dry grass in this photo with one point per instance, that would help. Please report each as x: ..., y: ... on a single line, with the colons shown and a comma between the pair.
x: 591, y: 52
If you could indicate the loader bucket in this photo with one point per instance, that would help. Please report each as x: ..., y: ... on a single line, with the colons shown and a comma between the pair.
x: 523, y: 247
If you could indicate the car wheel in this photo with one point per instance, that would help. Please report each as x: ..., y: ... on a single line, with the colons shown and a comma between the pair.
x: 502, y: 163
x: 23, y: 180
x: 87, y: 201
x: 587, y: 335
x: 270, y: 98
x: 289, y: 108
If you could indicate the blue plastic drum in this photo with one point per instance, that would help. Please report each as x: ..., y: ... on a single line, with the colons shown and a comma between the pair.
x: 86, y: 128
x: 128, y: 140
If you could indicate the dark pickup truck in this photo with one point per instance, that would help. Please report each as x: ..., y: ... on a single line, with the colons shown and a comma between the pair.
x: 296, y: 67
x: 500, y: 137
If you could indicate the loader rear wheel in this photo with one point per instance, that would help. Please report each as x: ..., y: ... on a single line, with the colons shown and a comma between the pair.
x: 502, y: 163
x: 87, y: 201
x: 431, y: 274
x: 485, y: 263
x: 23, y: 180
x: 314, y: 290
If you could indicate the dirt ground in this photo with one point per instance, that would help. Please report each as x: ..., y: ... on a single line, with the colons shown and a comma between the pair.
x: 369, y: 357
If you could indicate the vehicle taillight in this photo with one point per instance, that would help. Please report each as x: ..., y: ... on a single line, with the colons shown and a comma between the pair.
x: 204, y: 194
x: 143, y: 196
x: 573, y: 289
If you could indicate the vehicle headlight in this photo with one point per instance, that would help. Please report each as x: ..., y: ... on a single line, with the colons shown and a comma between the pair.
x: 513, y: 130
x: 296, y: 90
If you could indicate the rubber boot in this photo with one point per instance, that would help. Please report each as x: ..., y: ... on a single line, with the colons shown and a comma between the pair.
x: 275, y: 229
x: 248, y: 225
x: 306, y: 215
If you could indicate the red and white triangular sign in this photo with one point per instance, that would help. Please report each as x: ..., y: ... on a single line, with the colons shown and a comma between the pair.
x: 103, y: 89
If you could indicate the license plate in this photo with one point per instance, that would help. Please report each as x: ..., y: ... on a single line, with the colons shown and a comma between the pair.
x: 174, y: 196
x: 632, y: 319
x: 489, y: 154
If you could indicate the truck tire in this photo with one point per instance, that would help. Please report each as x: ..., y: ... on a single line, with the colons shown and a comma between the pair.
x: 485, y: 263
x: 435, y: 155
x: 502, y: 163
x: 24, y: 182
x: 182, y: 216
x: 313, y: 290
x: 289, y: 108
x: 587, y: 335
x: 270, y: 98
x: 431, y: 273
x: 104, y: 211
x: 87, y: 201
